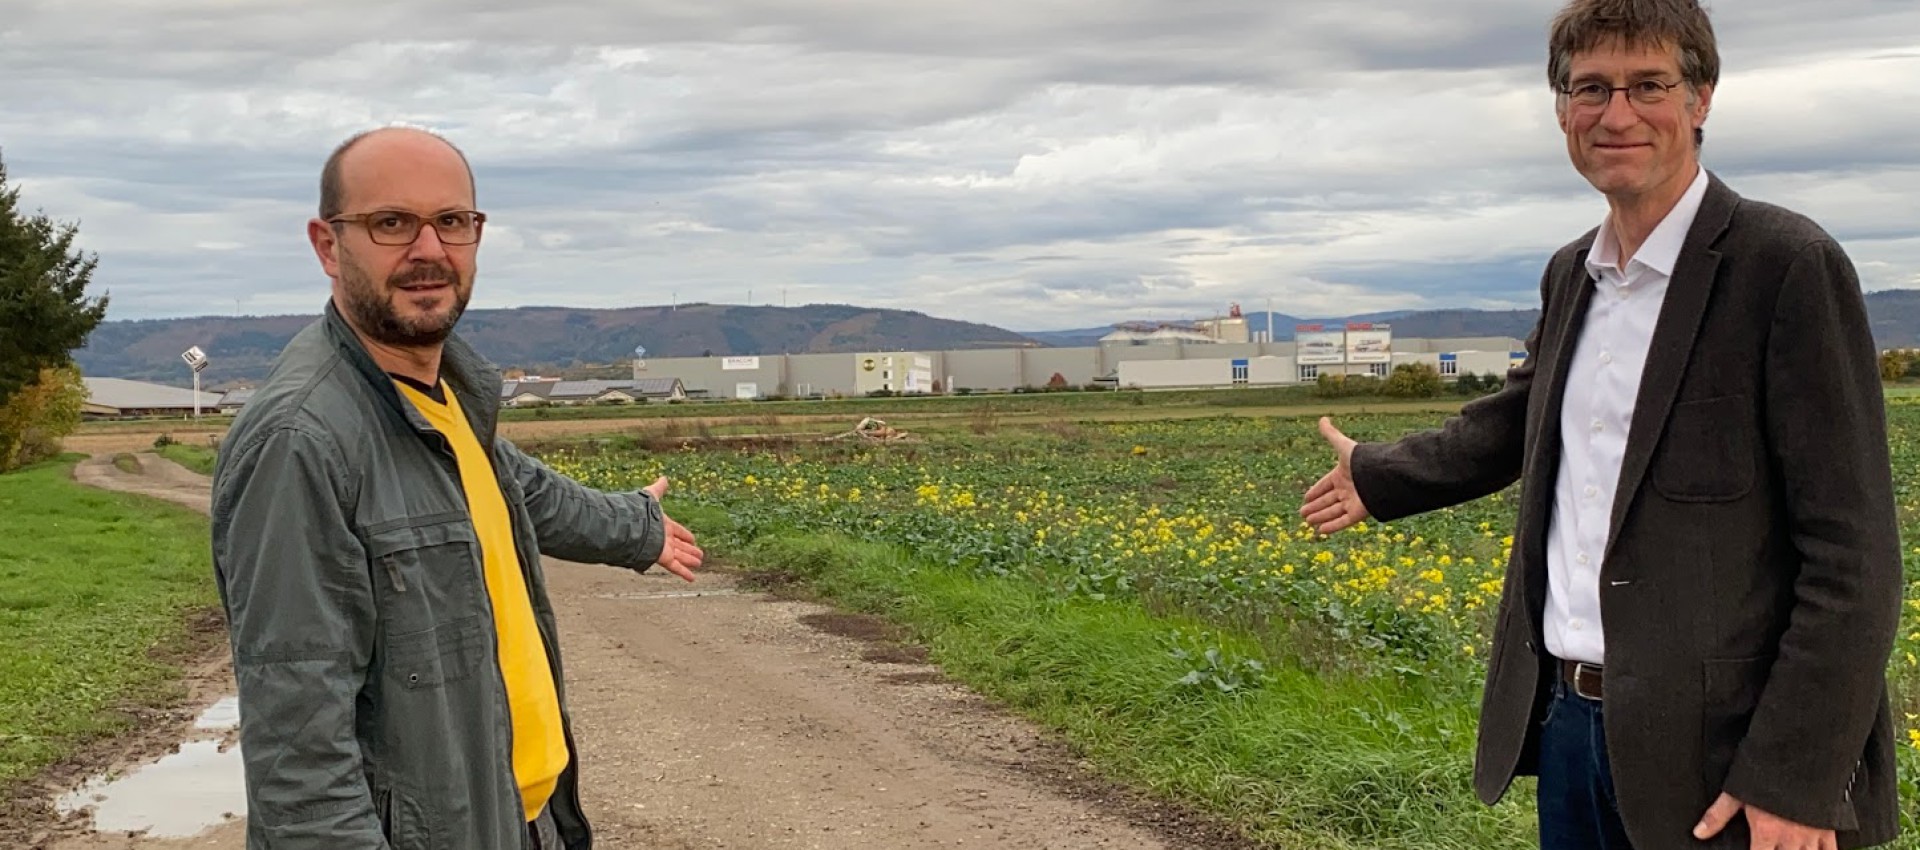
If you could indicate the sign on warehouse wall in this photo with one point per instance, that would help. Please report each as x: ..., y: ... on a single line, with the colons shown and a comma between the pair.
x: 1316, y: 344
x: 1369, y: 343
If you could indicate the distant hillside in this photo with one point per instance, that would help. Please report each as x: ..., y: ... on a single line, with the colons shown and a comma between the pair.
x: 1895, y: 314
x: 547, y: 338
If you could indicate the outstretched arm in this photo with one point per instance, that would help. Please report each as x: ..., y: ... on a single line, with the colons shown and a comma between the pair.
x: 1475, y: 453
x: 578, y: 523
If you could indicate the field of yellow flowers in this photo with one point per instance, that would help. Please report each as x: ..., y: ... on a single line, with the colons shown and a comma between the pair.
x: 1195, y: 518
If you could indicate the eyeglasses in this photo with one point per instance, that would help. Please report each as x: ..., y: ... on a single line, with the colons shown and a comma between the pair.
x: 1591, y: 95
x: 398, y: 227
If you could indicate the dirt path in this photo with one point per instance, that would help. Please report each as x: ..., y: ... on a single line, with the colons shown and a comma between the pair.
x: 714, y: 716
x: 159, y: 478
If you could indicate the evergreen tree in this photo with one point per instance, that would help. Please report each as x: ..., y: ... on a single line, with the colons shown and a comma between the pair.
x: 44, y: 309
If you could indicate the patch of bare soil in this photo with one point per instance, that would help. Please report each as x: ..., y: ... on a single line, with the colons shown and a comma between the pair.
x: 856, y: 626
x: 888, y: 642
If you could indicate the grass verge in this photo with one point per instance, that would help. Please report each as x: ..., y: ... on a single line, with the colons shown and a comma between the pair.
x: 1171, y: 705
x: 96, y: 593
x: 197, y: 458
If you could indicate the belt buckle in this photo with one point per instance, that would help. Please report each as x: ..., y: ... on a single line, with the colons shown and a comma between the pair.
x: 1580, y: 671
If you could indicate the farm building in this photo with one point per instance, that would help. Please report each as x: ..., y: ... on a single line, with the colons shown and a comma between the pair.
x: 119, y: 397
x: 534, y: 393
x: 232, y: 400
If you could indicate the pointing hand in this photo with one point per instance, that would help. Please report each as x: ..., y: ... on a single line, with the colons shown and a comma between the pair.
x: 682, y: 555
x: 1332, y: 503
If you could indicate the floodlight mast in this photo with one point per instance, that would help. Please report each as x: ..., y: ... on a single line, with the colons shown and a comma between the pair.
x: 197, y: 361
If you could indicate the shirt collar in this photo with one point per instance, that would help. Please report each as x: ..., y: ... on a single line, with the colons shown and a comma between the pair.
x: 1661, y: 251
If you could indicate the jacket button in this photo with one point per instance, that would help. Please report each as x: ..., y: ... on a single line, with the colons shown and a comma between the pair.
x: 413, y: 679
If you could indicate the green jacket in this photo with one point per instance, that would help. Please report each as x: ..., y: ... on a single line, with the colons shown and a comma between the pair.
x: 373, y: 712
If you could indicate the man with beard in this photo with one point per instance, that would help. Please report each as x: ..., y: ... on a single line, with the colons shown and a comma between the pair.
x: 378, y: 547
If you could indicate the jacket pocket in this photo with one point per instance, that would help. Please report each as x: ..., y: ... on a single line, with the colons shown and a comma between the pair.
x: 402, y: 821
x: 1706, y: 454
x: 430, y: 659
x: 383, y: 809
x: 1732, y: 692
x: 426, y: 571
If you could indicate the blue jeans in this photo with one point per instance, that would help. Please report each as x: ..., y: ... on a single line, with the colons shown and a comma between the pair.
x: 1578, y: 809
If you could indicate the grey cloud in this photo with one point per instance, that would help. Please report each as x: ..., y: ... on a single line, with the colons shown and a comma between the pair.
x: 1035, y: 158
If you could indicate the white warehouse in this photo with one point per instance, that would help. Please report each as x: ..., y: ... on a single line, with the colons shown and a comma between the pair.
x: 1273, y: 370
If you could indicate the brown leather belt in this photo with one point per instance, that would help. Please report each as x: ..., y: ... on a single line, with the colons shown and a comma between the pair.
x: 1583, y: 678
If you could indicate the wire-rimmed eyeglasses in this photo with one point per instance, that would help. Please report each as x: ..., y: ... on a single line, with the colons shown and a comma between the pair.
x: 1596, y: 95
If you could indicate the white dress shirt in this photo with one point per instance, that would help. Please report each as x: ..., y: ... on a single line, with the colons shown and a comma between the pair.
x: 1602, y: 383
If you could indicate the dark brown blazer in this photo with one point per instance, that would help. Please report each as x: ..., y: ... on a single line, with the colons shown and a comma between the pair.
x: 1751, y: 586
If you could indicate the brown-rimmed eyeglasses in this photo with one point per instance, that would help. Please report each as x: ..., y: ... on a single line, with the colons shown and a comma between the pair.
x: 1595, y: 95
x: 398, y: 227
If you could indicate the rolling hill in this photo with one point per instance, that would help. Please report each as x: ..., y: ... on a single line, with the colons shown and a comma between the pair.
x: 546, y: 339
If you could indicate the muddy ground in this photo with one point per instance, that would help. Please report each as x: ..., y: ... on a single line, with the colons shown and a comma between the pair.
x: 713, y: 715
x: 109, y: 437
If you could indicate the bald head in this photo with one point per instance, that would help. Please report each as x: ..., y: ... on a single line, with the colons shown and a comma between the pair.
x: 379, y: 149
x: 405, y: 293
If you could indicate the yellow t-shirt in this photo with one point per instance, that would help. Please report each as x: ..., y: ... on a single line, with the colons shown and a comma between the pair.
x: 539, y: 746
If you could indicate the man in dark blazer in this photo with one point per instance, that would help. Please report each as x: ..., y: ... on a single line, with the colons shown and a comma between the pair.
x: 1692, y: 642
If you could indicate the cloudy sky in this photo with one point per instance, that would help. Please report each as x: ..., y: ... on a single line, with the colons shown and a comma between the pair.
x: 1035, y: 164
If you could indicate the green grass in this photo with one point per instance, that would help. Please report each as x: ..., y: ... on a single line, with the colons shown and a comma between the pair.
x: 1297, y: 759
x: 197, y: 458
x: 96, y: 592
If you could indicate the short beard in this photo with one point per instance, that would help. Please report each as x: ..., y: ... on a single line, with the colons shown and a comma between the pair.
x: 373, y: 312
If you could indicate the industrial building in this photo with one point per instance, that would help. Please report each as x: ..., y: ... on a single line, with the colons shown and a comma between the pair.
x: 1163, y: 356
x: 1358, y: 348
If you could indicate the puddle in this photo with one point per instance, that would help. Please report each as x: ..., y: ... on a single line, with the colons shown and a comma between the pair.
x: 179, y: 796
x: 224, y: 715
